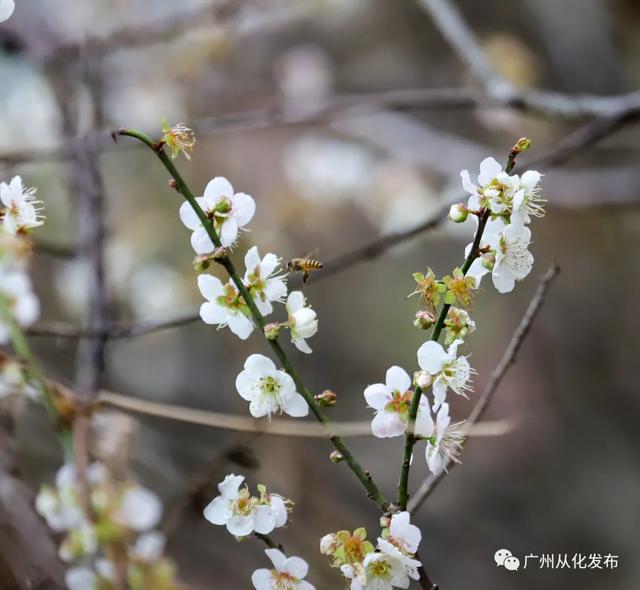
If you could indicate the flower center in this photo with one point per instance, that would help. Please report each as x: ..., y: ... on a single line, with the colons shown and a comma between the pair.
x: 270, y: 386
x: 380, y: 569
x: 399, y: 402
x: 222, y: 207
x: 283, y: 580
x: 243, y: 504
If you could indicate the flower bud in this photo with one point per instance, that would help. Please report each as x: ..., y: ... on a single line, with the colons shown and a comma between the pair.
x: 424, y: 319
x: 328, y: 544
x: 327, y: 398
x: 458, y: 213
x: 219, y: 253
x: 385, y: 522
x: 522, y: 145
x: 488, y: 260
x: 422, y: 379
x: 336, y: 456
x: 202, y: 262
x: 272, y: 331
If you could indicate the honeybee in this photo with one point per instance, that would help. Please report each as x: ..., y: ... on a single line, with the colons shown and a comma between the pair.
x: 306, y: 265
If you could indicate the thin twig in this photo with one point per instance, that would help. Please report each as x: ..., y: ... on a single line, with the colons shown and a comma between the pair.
x: 508, y: 358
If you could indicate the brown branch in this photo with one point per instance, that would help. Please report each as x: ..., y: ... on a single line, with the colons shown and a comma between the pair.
x: 276, y: 426
x: 508, y: 358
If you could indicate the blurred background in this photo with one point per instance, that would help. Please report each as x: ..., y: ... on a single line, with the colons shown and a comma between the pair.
x: 282, y: 95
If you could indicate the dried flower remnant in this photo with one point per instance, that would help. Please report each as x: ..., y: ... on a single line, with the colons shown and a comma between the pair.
x: 179, y: 139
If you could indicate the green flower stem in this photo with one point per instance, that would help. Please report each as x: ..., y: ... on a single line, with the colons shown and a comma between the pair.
x: 180, y: 185
x: 410, y: 439
x: 34, y: 377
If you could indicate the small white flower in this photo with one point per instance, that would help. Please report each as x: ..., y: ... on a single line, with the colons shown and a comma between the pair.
x: 448, y: 369
x: 224, y: 306
x: 80, y: 578
x: 21, y: 211
x: 527, y: 202
x: 80, y: 541
x: 496, y: 189
x: 140, y: 509
x: 303, y: 321
x: 149, y: 547
x: 264, y: 286
x: 444, y: 439
x: 403, y: 534
x: 383, y: 571
x: 243, y: 514
x: 268, y: 389
x: 228, y: 211
x: 513, y: 259
x: 392, y: 401
x: 15, y: 289
x: 288, y: 573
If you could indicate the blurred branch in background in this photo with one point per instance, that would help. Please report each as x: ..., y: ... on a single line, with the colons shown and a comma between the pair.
x: 276, y: 426
x: 449, y: 21
x: 584, y: 137
x: 508, y: 358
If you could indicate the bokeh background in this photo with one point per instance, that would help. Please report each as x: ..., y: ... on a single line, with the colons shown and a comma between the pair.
x: 565, y: 479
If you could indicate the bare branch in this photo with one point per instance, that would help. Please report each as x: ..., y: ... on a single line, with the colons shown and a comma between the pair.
x: 276, y: 426
x: 508, y: 358
x: 450, y: 22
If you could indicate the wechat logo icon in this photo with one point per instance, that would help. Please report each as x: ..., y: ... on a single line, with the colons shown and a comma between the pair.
x: 504, y: 558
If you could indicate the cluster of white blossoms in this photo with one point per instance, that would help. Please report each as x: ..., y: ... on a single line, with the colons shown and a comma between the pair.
x: 391, y: 565
x: 225, y: 305
x: 96, y: 524
x: 244, y: 515
x: 19, y: 214
x: 504, y: 204
x: 268, y: 389
x: 513, y: 201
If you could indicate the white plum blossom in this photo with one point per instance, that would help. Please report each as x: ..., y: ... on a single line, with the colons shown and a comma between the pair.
x: 229, y: 212
x: 447, y: 369
x: 444, y: 439
x: 303, y: 321
x: 382, y: 571
x: 288, y: 573
x: 516, y: 197
x: 268, y: 389
x: 242, y: 513
x: 403, y: 534
x: 21, y: 208
x: 512, y: 260
x: 265, y: 287
x: 149, y: 547
x: 527, y: 202
x: 81, y: 541
x: 18, y: 296
x: 392, y: 401
x: 80, y: 578
x: 140, y: 509
x: 224, y: 306
x: 496, y: 188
